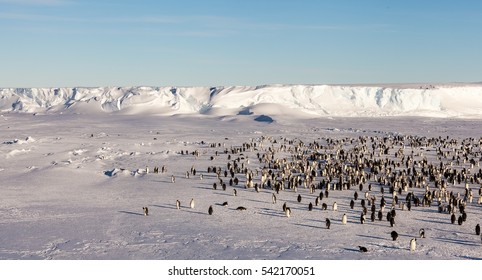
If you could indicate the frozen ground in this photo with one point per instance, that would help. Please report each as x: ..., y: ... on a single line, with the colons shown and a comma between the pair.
x: 73, y: 187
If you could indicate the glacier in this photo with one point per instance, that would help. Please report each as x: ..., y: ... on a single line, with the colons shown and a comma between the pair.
x: 304, y: 101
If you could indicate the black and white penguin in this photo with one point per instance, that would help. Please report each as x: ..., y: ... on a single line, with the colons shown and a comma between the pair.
x: 464, y: 216
x: 477, y: 229
x: 324, y: 206
x: 452, y: 218
x: 317, y: 201
x: 413, y: 244
x: 146, y: 211
x: 299, y: 198
x: 394, y: 235
x: 328, y: 223
x: 225, y: 203
x: 288, y: 212
x: 363, y: 249
x: 372, y: 216
x: 210, y: 210
x: 344, y: 219
x: 362, y: 218
x: 460, y: 220
x: 380, y: 215
x: 352, y: 204
x: 178, y: 204
x: 335, y: 206
x: 273, y: 198
x: 422, y: 233
x: 310, y: 207
x: 392, y: 221
x: 355, y: 195
x: 235, y: 192
x: 241, y: 208
x: 284, y: 207
x: 192, y: 203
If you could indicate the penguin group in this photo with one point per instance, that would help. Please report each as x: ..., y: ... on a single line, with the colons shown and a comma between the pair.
x: 383, y: 176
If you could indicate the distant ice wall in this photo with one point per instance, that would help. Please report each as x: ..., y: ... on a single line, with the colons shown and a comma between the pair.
x: 315, y: 100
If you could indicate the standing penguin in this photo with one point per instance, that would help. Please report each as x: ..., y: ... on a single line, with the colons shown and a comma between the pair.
x: 380, y: 215
x: 328, y: 223
x: 210, y: 210
x: 394, y: 235
x: 235, y: 192
x: 422, y: 233
x: 335, y: 206
x: 284, y: 207
x: 310, y: 207
x: 191, y: 204
x: 288, y: 212
x: 178, y: 204
x: 392, y: 221
x: 477, y: 229
x: 413, y: 244
x: 146, y: 211
x: 352, y: 204
x: 362, y: 218
x: 299, y: 198
x: 344, y: 219
x: 452, y: 218
x: 273, y: 198
x: 372, y: 217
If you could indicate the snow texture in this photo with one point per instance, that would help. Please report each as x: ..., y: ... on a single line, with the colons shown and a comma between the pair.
x: 73, y: 185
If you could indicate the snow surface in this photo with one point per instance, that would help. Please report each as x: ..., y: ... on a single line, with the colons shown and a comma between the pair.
x: 73, y: 183
x: 450, y: 100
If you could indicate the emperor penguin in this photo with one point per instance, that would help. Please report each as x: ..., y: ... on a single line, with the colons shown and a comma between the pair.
x: 299, y: 198
x: 422, y: 233
x: 288, y: 212
x: 210, y: 210
x: 178, y: 204
x: 235, y: 192
x: 344, y: 219
x: 191, y: 204
x: 328, y: 223
x: 413, y: 244
x: 477, y: 229
x: 394, y: 235
x: 273, y: 198
x: 335, y: 206
x: 310, y: 207
x: 363, y: 249
x: 146, y: 211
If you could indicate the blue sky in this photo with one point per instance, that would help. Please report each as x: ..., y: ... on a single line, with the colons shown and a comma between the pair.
x: 66, y: 43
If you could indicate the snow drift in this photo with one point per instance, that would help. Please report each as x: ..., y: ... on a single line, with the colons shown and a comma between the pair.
x: 294, y: 100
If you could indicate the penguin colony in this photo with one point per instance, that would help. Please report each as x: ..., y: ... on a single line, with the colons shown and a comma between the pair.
x: 393, y: 173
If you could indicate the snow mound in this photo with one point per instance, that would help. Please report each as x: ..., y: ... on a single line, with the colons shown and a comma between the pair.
x: 459, y: 100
